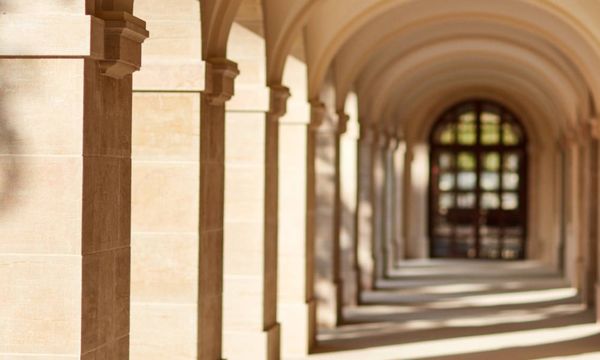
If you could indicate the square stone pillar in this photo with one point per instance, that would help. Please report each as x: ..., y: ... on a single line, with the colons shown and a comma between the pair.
x: 166, y: 184
x: 220, y: 75
x: 251, y: 219
x: 347, y: 205
x: 573, y: 260
x: 595, y: 215
x: 327, y: 223
x: 297, y: 306
x: 378, y: 182
x: 399, y: 156
x: 65, y: 181
x: 365, y: 209
x: 389, y: 201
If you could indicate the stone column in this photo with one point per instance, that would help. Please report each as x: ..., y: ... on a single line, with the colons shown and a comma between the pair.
x: 338, y: 272
x: 572, y: 250
x: 65, y: 179
x: 364, y: 224
x: 326, y: 224
x: 595, y: 215
x: 166, y: 184
x: 297, y: 307
x: 220, y: 75
x: 398, y: 230
x: 406, y: 201
x: 378, y: 182
x: 389, y: 206
x: 591, y: 200
x: 417, y: 201
x: 347, y: 180
x: 251, y: 199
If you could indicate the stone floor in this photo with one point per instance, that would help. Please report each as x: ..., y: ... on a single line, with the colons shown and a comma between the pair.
x: 467, y: 310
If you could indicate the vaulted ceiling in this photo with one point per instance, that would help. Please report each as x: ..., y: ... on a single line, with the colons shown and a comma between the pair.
x: 408, y: 60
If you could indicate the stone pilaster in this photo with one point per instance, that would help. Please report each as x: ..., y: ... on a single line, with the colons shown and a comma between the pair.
x: 389, y: 206
x: 398, y: 231
x: 219, y: 87
x: 378, y: 157
x: 346, y: 212
x: 338, y: 271
x: 365, y: 214
x: 594, y: 251
x: 165, y: 236
x: 326, y: 239
x: 296, y: 301
x: 251, y: 220
x: 66, y: 175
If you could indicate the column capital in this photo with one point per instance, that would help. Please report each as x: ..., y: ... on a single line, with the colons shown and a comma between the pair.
x: 278, y: 96
x: 317, y: 114
x: 123, y: 38
x: 393, y: 142
x: 569, y: 137
x: 220, y: 76
x: 342, y: 124
x: 594, y: 127
x: 366, y: 133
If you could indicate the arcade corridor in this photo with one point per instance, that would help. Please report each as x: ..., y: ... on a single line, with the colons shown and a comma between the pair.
x: 299, y: 179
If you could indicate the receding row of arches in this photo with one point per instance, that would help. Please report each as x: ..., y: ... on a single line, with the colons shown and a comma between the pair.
x: 273, y: 161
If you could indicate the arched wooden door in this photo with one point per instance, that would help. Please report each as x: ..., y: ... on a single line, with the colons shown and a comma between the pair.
x: 478, y: 181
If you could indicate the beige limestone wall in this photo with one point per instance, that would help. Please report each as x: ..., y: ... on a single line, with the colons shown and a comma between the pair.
x: 166, y: 174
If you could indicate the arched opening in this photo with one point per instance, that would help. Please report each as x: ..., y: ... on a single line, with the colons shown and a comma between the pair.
x: 478, y: 183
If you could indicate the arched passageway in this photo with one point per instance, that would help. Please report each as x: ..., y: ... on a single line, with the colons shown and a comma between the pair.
x: 273, y: 179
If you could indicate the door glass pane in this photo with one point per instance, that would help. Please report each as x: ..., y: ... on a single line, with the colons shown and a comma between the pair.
x: 445, y: 134
x: 510, y: 181
x: 445, y: 160
x: 467, y: 129
x: 511, y: 134
x: 510, y: 201
x: 465, y: 200
x: 466, y: 161
x: 490, y: 128
x: 446, y: 181
x: 467, y: 180
x: 490, y: 200
x: 491, y: 161
x: 511, y: 162
x: 490, y: 180
x: 446, y: 202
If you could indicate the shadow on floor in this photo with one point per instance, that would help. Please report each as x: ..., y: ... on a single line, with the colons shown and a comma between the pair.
x: 465, y: 310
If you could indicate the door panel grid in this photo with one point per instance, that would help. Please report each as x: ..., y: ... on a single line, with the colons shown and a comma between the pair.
x: 478, y: 183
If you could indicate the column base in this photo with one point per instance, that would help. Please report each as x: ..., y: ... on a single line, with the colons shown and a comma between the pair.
x: 262, y: 345
x: 298, y: 320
